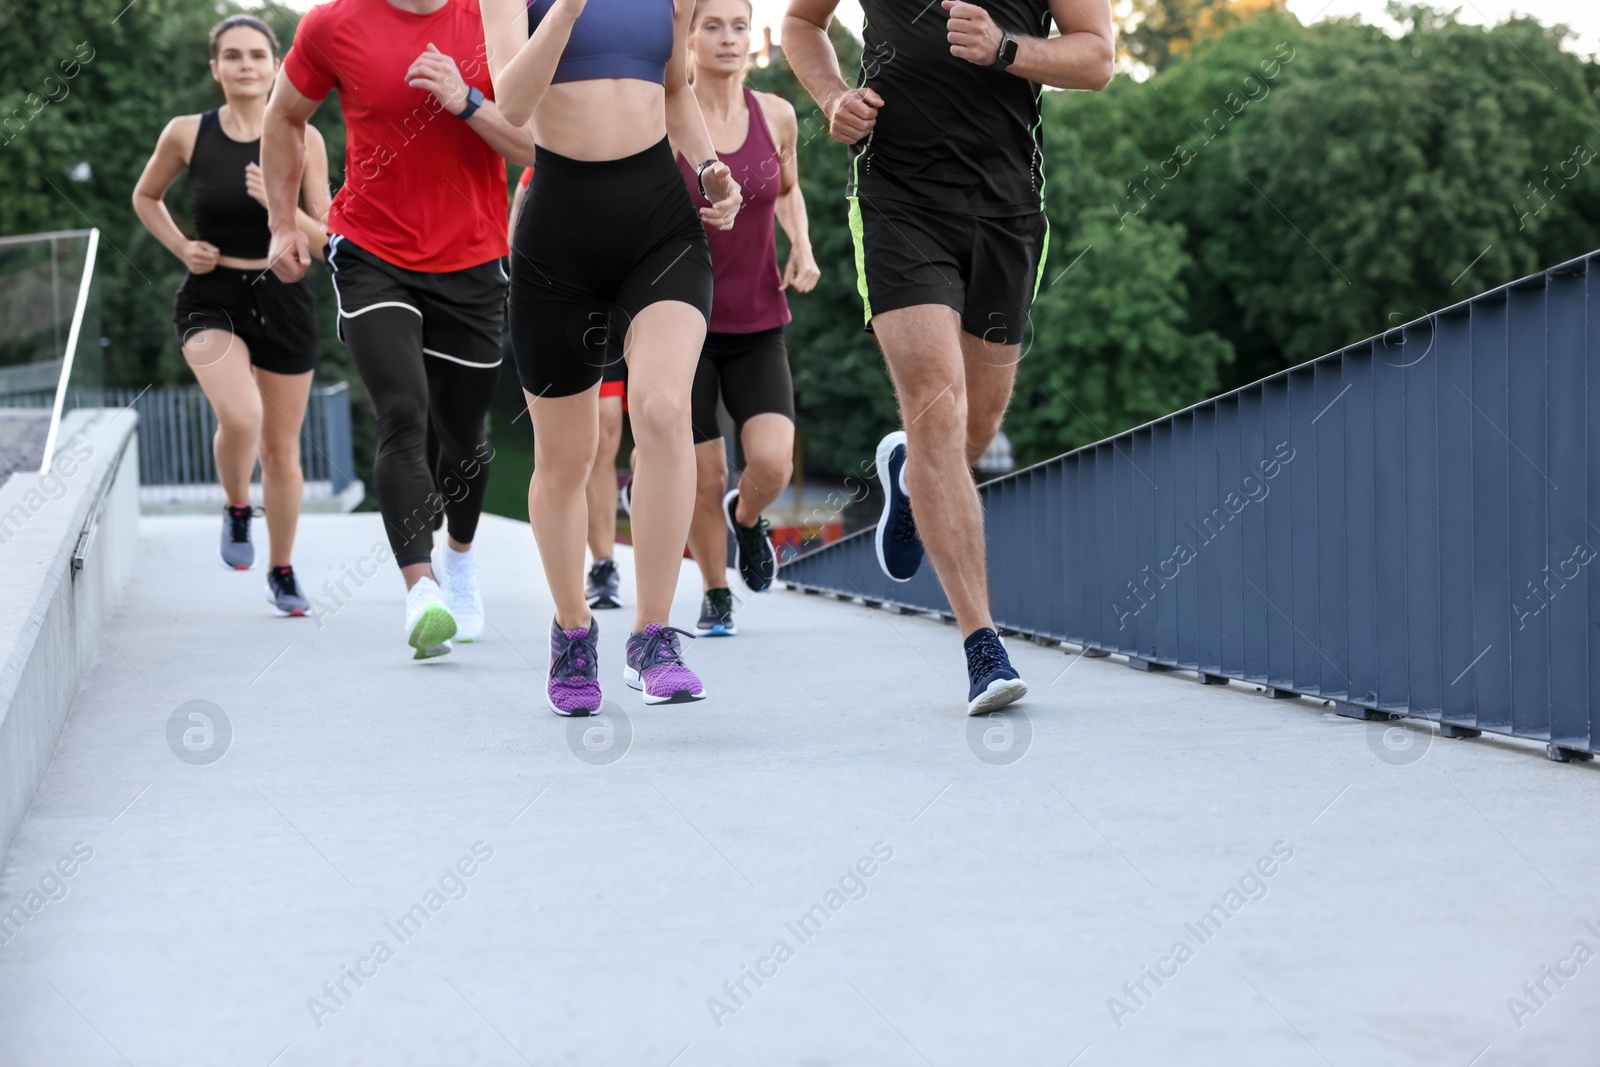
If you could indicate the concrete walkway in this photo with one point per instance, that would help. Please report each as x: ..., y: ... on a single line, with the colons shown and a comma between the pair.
x: 516, y: 889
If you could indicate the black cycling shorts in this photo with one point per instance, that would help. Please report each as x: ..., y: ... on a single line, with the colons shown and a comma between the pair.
x: 276, y: 320
x: 595, y: 244
x: 988, y: 269
x: 749, y: 371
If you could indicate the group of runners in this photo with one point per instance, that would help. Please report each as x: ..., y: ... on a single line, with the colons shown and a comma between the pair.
x: 641, y: 275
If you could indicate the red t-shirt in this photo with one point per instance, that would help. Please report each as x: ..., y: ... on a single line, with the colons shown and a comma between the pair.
x: 422, y: 190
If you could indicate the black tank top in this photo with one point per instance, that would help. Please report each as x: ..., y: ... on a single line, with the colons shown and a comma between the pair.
x: 951, y: 135
x: 224, y: 214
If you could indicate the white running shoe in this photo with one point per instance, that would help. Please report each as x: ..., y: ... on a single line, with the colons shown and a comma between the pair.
x: 429, y: 624
x: 459, y: 582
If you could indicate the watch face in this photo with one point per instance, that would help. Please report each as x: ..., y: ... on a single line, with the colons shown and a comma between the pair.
x: 1008, y: 50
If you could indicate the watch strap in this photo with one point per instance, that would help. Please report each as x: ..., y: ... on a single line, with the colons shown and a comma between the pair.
x: 474, y: 102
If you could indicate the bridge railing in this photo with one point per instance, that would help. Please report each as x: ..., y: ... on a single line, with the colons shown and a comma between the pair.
x: 1404, y: 526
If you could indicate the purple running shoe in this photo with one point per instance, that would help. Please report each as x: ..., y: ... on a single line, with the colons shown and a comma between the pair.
x: 655, y: 665
x: 574, y: 685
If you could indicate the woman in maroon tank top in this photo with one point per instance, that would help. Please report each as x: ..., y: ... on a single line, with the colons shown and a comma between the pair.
x: 744, y: 362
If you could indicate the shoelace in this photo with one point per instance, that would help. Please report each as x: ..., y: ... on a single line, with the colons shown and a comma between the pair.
x: 905, y: 527
x: 986, y: 658
x: 282, y: 581
x: 573, y: 662
x: 651, y: 652
x: 239, y: 524
x: 721, y: 601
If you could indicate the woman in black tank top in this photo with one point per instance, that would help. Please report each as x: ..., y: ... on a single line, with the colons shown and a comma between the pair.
x: 251, y: 340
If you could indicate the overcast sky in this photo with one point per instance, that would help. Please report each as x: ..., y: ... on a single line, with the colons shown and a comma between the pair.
x: 1582, y: 15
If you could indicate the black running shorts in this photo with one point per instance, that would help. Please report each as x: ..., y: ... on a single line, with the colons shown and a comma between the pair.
x: 461, y: 310
x: 275, y: 320
x: 749, y: 371
x: 988, y: 269
x: 595, y: 244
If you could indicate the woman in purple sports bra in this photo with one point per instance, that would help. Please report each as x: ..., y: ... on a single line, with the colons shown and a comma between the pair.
x: 609, y: 260
x: 744, y: 362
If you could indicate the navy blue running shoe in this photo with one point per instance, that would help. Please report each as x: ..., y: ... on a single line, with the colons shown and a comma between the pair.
x: 995, y: 683
x: 899, y: 547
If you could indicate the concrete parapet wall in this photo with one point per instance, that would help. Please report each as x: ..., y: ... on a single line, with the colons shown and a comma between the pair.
x: 51, y: 612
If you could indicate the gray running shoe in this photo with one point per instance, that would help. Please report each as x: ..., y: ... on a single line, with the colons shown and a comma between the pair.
x: 602, y: 591
x: 716, y: 614
x: 237, y: 553
x: 284, y: 593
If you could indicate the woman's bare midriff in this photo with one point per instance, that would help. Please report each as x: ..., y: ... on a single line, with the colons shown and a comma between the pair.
x: 609, y: 118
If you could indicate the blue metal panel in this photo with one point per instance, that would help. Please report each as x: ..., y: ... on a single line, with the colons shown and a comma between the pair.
x: 1485, y: 406
x: 1326, y: 449
x: 1361, y: 534
x: 1452, y: 356
x: 1302, y: 560
x: 1186, y: 619
x: 1421, y: 499
x: 1566, y: 532
x: 1389, y: 516
x: 1276, y: 500
x: 1528, y: 485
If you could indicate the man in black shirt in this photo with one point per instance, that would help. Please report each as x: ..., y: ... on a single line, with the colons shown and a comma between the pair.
x: 946, y: 192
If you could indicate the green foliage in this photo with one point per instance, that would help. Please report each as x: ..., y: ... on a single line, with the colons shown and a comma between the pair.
x: 1232, y: 218
x: 148, y: 65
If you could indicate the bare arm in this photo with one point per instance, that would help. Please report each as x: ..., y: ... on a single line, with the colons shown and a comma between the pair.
x: 438, y: 74
x: 852, y: 113
x: 801, y: 271
x: 686, y: 128
x: 521, y: 66
x: 171, y: 158
x: 1080, y: 58
x: 311, y: 217
x: 283, y: 161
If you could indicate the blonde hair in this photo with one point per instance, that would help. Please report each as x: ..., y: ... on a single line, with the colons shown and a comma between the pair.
x: 694, y: 19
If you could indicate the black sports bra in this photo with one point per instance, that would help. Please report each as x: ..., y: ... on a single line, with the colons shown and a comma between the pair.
x: 224, y: 213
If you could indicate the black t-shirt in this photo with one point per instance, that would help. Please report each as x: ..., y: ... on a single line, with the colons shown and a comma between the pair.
x: 951, y: 135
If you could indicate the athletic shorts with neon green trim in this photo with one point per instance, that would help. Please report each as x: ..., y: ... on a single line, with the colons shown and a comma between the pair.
x: 988, y: 269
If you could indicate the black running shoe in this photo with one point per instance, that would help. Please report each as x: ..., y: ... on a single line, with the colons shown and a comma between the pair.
x: 716, y: 614
x: 994, y: 682
x: 602, y: 585
x: 754, y: 557
x: 284, y: 593
x: 236, y: 552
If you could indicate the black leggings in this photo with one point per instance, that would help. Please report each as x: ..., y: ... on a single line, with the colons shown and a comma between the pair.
x: 427, y: 347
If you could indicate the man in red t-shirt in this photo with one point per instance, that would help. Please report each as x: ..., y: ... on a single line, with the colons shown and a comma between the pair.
x: 416, y: 246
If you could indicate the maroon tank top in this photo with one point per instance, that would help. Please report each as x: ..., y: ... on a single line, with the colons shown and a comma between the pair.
x: 747, y: 294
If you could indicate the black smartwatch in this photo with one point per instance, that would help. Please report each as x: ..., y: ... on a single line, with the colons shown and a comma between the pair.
x: 474, y: 102
x: 1006, y: 54
x: 700, y: 176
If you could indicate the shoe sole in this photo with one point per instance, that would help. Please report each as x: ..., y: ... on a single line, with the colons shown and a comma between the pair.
x: 882, y: 460
x: 230, y: 567
x: 432, y: 630
x: 679, y: 696
x: 738, y: 552
x: 603, y: 603
x: 718, y: 630
x: 580, y: 713
x: 998, y: 695
x: 290, y: 613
